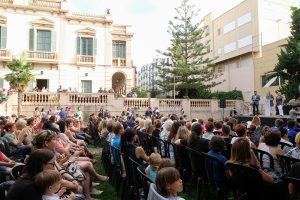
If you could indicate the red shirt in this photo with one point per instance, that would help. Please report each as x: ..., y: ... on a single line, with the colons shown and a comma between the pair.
x: 1, y: 157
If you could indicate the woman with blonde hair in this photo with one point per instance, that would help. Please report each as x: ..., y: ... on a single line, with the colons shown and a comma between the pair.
x: 256, y: 121
x: 182, y: 133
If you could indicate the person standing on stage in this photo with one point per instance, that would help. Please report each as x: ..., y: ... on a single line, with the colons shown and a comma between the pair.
x: 269, y: 104
x: 255, y: 103
x: 279, y: 103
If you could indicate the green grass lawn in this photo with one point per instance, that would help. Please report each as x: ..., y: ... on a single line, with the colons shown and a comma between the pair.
x: 110, y: 193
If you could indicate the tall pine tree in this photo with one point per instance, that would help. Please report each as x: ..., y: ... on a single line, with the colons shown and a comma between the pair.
x: 188, y: 65
x: 288, y: 66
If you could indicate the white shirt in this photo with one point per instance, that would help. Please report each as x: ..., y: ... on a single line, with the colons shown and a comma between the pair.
x: 52, y: 197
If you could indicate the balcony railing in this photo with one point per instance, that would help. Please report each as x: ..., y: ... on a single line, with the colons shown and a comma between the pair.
x: 7, y: 1
x: 119, y: 62
x: 34, y: 98
x: 5, y: 55
x: 46, y: 3
x: 41, y: 57
x: 86, y: 60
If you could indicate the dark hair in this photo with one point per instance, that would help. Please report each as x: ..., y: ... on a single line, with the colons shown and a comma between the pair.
x: 117, y: 127
x: 279, y: 122
x: 218, y: 124
x: 36, y: 161
x: 30, y: 120
x: 196, y: 131
x: 127, y: 137
x: 230, y: 124
x: 165, y: 177
x: 226, y: 129
x: 272, y: 138
x: 45, y: 179
x: 240, y: 130
x: 157, y: 123
x: 217, y: 144
x: 283, y: 131
x: 62, y: 125
x: 291, y: 123
x: 174, y: 128
x: 209, y: 126
x: 8, y: 125
x: 210, y: 119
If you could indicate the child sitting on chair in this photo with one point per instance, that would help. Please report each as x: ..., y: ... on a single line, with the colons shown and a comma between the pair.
x: 151, y: 170
x: 49, y: 184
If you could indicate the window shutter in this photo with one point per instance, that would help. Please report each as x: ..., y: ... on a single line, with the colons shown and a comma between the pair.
x: 3, y: 37
x: 94, y: 46
x: 78, y: 45
x: 31, y: 39
x: 53, y: 41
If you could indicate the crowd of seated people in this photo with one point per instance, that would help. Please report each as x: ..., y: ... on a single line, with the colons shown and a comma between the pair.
x: 251, y: 144
x: 50, y: 145
x: 47, y: 147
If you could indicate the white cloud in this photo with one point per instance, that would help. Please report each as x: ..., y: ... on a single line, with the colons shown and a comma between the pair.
x: 148, y: 18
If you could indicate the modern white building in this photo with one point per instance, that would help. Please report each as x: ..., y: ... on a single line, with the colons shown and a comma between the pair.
x: 238, y: 36
x: 76, y: 50
x: 148, y: 74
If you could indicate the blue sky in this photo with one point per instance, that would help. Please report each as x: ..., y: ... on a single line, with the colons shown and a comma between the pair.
x: 148, y: 18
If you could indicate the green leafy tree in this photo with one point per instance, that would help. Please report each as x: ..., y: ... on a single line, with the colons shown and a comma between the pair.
x: 288, y: 66
x: 186, y: 52
x: 140, y: 92
x: 19, y: 77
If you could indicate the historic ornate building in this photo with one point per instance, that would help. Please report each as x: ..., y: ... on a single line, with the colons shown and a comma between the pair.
x: 74, y: 50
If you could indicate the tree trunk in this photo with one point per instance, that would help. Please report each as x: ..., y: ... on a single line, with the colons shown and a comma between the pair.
x: 186, y: 93
x: 19, y: 102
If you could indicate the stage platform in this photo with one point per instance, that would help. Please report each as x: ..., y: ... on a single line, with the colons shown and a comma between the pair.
x: 269, y: 121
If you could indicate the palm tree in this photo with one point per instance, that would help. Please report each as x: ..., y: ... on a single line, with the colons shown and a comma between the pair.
x: 19, y: 77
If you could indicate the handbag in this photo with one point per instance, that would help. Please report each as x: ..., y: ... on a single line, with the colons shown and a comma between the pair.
x: 75, y: 172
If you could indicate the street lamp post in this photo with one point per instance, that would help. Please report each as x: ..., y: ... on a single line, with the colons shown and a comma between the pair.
x: 174, y: 95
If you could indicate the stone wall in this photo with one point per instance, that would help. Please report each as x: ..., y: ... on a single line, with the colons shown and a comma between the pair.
x: 92, y: 102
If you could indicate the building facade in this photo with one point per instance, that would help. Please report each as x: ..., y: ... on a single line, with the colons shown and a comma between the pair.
x: 238, y: 37
x: 148, y: 74
x: 74, y: 50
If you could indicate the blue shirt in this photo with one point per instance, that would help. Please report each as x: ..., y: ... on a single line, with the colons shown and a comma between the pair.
x: 292, y: 132
x: 218, y: 168
x: 116, y: 142
x: 63, y: 114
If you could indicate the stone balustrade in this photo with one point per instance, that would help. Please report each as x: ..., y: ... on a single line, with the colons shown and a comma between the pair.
x: 87, y: 98
x: 46, y: 3
x: 92, y: 102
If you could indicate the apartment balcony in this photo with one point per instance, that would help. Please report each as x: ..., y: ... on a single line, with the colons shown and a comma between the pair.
x: 41, y: 57
x: 53, y: 4
x: 119, y: 62
x: 5, y: 55
x: 86, y: 60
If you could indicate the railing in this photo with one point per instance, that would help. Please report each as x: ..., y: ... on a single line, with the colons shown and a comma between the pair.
x: 200, y: 103
x: 230, y: 103
x: 83, y: 59
x: 5, y: 54
x: 136, y: 102
x: 169, y: 103
x: 119, y: 62
x: 87, y: 98
x: 7, y: 1
x: 41, y: 56
x: 35, y: 98
x: 46, y: 3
